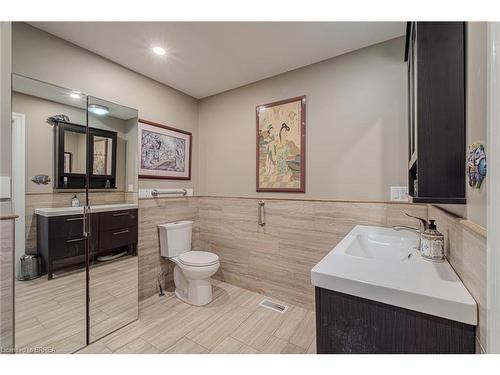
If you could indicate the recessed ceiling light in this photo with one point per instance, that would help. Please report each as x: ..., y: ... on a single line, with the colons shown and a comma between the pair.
x: 159, y: 51
x: 97, y: 109
x: 74, y: 95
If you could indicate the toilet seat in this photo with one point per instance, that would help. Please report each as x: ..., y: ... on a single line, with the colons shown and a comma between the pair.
x: 198, y: 258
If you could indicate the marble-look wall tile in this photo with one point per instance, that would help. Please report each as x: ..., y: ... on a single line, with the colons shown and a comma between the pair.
x: 6, y: 284
x: 151, y: 213
x: 276, y: 259
x: 62, y: 199
x: 466, y: 252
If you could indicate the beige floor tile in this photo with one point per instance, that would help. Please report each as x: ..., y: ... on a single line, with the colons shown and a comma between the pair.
x: 138, y: 346
x: 312, y: 348
x: 293, y: 349
x: 186, y: 346
x: 305, y: 332
x: 232, y: 323
x: 259, y: 327
x: 96, y: 348
x: 274, y: 345
x: 232, y: 346
x: 222, y: 327
x: 294, y: 316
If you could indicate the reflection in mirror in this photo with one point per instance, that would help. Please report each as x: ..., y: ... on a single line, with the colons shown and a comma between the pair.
x: 102, y: 155
x: 51, y: 250
x: 50, y: 312
x: 113, y: 274
x: 106, y: 116
x: 74, y: 152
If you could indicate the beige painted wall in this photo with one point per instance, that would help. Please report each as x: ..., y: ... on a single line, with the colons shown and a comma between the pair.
x: 5, y: 117
x: 355, y: 119
x: 45, y: 57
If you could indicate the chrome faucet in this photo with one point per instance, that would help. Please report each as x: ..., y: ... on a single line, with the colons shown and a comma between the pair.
x: 424, y: 225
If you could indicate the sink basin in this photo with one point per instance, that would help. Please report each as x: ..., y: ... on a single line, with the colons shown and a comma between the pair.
x: 399, y: 246
x: 384, y: 265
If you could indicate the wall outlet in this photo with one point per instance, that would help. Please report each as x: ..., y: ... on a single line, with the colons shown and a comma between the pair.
x: 399, y: 193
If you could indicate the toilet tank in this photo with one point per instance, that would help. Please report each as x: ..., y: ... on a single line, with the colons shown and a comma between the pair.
x: 175, y: 238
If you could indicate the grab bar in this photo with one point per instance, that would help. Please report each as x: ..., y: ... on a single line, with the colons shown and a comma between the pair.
x: 156, y: 192
x: 262, y: 213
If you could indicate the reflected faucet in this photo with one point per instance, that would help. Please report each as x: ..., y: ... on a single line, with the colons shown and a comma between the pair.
x: 424, y: 225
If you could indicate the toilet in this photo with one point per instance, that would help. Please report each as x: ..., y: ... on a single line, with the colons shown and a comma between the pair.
x: 193, y: 269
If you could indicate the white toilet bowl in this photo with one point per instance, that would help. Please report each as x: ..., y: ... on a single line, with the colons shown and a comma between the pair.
x: 193, y: 269
x: 192, y: 276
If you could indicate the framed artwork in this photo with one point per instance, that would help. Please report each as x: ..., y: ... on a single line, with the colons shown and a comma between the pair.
x: 67, y: 162
x: 281, y: 142
x: 164, y: 152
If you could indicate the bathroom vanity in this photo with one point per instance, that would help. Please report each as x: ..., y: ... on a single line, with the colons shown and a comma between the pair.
x: 60, y: 239
x: 376, y: 294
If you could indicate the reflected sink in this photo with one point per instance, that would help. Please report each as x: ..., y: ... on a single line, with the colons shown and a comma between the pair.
x: 384, y: 265
x: 62, y: 211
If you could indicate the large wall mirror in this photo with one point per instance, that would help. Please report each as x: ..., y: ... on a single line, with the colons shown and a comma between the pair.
x: 68, y: 145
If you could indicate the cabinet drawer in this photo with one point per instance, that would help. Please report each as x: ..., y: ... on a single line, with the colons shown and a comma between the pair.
x: 117, y: 238
x: 117, y: 219
x: 67, y: 247
x: 66, y: 226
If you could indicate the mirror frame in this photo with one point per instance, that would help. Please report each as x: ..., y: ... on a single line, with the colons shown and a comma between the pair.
x: 77, y: 180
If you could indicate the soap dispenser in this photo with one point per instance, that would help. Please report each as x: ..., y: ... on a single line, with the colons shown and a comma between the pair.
x: 75, y: 202
x: 432, y: 245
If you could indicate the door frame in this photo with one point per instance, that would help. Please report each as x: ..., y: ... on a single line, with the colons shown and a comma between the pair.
x: 493, y: 194
x: 19, y: 181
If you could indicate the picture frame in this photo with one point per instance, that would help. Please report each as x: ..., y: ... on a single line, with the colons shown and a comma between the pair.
x: 164, y: 152
x: 281, y: 146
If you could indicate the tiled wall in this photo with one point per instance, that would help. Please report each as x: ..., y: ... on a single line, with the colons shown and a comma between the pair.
x: 151, y: 213
x: 61, y: 200
x: 6, y: 285
x: 466, y: 252
x: 276, y: 259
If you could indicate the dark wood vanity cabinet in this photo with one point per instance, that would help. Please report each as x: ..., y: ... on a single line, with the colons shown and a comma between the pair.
x: 349, y: 324
x: 435, y: 53
x: 61, y: 244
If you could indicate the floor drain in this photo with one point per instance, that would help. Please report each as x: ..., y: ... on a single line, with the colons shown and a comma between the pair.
x: 273, y: 306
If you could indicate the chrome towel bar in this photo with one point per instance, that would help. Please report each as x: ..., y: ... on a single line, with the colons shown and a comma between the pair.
x: 157, y: 192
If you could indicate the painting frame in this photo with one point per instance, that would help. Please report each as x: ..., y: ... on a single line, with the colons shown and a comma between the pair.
x: 302, y: 180
x: 144, y: 173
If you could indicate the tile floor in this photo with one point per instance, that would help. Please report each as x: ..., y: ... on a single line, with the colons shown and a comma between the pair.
x: 232, y: 323
x: 51, y: 313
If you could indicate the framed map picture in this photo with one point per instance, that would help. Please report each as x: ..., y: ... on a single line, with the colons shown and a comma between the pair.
x: 164, y: 152
x: 281, y: 142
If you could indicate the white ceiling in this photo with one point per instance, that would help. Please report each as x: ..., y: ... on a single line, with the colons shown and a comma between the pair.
x: 206, y: 58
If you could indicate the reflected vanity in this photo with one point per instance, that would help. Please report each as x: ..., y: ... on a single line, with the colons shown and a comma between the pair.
x: 88, y: 286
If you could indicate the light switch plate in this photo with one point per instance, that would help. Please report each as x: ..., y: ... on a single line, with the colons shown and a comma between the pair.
x: 399, y: 193
x: 4, y: 187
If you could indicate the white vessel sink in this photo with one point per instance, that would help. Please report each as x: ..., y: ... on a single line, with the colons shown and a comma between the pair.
x: 384, y: 265
x: 61, y: 211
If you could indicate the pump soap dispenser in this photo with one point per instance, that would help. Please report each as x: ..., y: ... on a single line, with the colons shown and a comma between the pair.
x: 75, y: 202
x: 432, y: 243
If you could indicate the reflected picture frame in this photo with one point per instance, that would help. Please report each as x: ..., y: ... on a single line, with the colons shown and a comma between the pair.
x: 67, y: 162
